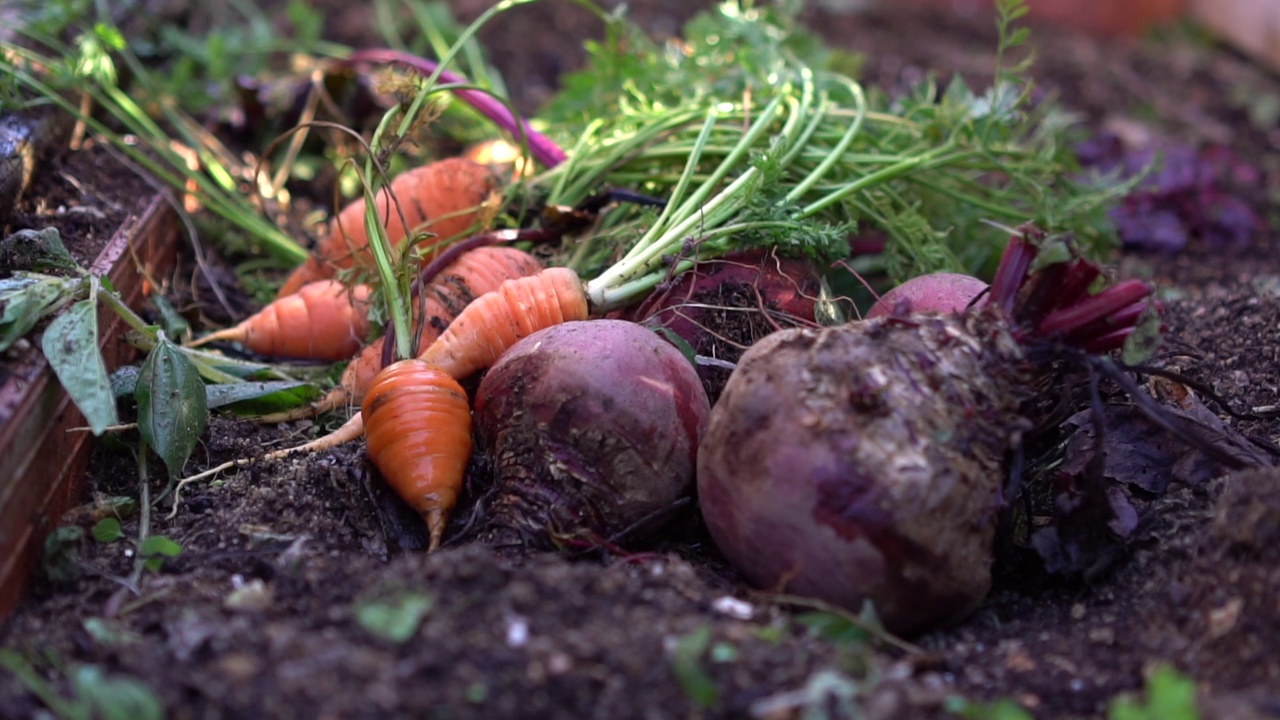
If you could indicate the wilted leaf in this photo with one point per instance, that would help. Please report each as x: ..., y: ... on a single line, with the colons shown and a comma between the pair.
x: 71, y: 346
x: 39, y: 250
x: 61, y: 547
x: 395, y: 619
x: 172, y: 410
x: 28, y: 298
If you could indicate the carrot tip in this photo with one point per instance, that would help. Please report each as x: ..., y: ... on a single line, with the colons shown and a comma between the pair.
x: 435, y: 526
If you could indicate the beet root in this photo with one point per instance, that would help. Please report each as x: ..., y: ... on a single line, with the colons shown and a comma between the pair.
x: 593, y: 430
x: 722, y: 306
x: 865, y: 462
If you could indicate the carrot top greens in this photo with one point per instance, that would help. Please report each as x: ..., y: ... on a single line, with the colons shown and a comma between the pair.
x: 758, y: 135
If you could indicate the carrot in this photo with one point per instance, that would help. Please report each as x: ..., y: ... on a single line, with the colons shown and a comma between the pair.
x: 495, y: 321
x: 475, y: 273
x: 483, y: 331
x: 324, y: 320
x: 418, y: 433
x: 444, y: 198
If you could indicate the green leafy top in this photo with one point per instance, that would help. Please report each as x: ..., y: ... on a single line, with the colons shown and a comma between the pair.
x: 933, y: 168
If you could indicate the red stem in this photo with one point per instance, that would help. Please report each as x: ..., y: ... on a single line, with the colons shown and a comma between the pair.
x: 1094, y: 308
x: 1011, y: 274
x: 544, y: 150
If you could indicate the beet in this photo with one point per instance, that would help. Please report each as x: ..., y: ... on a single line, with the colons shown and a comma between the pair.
x: 935, y: 292
x: 867, y: 461
x: 593, y: 429
x: 722, y: 306
x: 829, y: 471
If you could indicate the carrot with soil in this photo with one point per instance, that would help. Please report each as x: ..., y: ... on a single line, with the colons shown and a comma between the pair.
x: 323, y: 320
x: 411, y: 407
x: 445, y: 198
x: 475, y: 273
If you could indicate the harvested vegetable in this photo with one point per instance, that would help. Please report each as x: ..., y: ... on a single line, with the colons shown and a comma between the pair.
x: 444, y: 198
x: 323, y: 320
x: 941, y: 292
x: 419, y: 437
x: 720, y: 307
x: 866, y: 461
x: 592, y: 429
x: 477, y: 272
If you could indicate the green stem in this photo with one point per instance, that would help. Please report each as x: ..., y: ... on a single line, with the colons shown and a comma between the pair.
x: 144, y: 514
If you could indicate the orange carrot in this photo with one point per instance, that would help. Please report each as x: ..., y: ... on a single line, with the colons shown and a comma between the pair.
x: 441, y: 431
x: 475, y: 273
x: 485, y: 330
x: 444, y: 198
x: 324, y: 320
x: 418, y: 433
x: 495, y: 321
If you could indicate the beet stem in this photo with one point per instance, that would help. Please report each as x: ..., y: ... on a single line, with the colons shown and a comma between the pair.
x: 1011, y: 273
x: 1117, y: 297
x: 544, y: 150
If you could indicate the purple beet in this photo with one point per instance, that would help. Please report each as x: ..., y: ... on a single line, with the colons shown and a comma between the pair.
x: 722, y: 306
x: 593, y: 429
x: 866, y: 461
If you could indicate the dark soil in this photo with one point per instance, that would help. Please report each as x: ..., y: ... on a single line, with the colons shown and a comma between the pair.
x: 261, y: 614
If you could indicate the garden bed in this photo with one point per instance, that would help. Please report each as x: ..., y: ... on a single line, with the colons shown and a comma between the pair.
x: 122, y: 230
x: 293, y: 573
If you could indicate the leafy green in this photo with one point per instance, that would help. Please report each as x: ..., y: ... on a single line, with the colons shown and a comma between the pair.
x: 172, y: 409
x: 107, y: 530
x: 933, y: 168
x: 155, y: 549
x: 115, y: 697
x: 686, y: 664
x: 70, y: 344
x: 1170, y: 696
x: 1002, y: 709
x: 28, y: 298
x: 395, y: 619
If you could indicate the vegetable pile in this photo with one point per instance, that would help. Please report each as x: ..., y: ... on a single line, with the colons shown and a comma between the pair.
x: 703, y: 231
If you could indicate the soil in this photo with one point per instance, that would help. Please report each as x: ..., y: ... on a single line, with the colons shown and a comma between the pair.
x: 271, y: 609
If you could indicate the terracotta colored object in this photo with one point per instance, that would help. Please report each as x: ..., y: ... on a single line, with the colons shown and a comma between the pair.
x: 1252, y: 25
x: 44, y: 460
x: 1103, y: 17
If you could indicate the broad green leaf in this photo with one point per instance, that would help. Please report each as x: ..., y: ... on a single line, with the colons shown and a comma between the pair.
x: 115, y: 697
x: 71, y: 346
x: 395, y: 619
x: 172, y: 410
x: 260, y: 397
x: 107, y: 530
x: 27, y: 299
